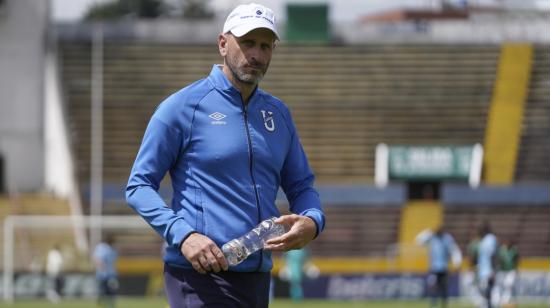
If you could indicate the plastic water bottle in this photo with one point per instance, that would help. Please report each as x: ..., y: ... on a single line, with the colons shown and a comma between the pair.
x: 237, y: 250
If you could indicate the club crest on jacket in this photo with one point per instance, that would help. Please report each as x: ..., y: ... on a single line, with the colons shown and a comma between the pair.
x: 269, y: 123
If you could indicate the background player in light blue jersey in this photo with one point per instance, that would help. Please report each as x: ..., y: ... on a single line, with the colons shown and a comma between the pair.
x: 486, y: 263
x: 443, y: 249
x: 104, y: 258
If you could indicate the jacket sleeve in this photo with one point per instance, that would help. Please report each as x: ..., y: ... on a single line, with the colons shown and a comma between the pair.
x: 297, y: 181
x: 158, y: 153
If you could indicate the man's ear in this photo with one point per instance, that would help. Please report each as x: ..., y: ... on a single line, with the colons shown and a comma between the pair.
x: 222, y: 44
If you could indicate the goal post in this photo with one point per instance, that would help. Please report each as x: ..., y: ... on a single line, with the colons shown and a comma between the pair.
x: 46, y: 223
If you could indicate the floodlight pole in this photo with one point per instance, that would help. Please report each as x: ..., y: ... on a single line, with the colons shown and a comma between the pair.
x: 8, y: 259
x: 96, y: 149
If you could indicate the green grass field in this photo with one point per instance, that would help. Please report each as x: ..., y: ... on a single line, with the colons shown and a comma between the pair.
x: 278, y: 303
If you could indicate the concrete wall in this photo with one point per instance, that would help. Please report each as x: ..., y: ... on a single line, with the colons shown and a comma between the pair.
x: 23, y: 27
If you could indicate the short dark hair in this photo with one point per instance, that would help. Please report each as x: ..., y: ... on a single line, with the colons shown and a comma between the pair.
x: 110, y: 239
x: 485, y: 228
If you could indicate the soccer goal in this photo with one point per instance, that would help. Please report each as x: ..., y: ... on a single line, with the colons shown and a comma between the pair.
x: 27, y: 239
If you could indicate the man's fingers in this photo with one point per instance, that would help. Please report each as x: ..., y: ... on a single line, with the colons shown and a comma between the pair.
x: 284, y: 242
x: 301, y: 231
x: 220, y: 258
x: 288, y: 241
x: 286, y: 219
x: 275, y: 240
x: 203, y: 261
x: 198, y: 267
x: 289, y: 244
x: 276, y: 247
x: 212, y: 259
x: 291, y: 234
x: 214, y: 265
x: 204, y: 255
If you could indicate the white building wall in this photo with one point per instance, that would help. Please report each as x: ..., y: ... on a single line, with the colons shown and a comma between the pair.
x: 23, y: 25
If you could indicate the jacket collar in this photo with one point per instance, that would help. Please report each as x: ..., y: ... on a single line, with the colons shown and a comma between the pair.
x: 220, y: 81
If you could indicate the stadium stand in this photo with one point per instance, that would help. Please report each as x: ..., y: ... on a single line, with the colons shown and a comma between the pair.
x: 535, y: 144
x: 345, y: 99
x: 348, y: 99
x: 351, y: 225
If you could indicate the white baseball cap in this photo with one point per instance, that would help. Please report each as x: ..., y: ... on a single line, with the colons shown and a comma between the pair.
x: 247, y: 17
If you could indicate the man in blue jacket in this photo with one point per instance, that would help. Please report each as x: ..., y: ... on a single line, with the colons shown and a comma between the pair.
x: 228, y: 147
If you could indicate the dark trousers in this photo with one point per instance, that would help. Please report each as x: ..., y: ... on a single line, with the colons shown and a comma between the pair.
x: 487, y: 289
x: 186, y: 288
x: 439, y: 287
x: 108, y: 288
x: 58, y: 283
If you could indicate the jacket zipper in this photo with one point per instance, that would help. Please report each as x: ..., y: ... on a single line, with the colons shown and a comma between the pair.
x: 251, y: 159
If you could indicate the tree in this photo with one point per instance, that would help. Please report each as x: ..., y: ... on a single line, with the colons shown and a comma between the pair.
x: 196, y: 9
x: 117, y: 9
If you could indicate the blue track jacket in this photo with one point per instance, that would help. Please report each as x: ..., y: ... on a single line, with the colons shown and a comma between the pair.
x: 226, y: 163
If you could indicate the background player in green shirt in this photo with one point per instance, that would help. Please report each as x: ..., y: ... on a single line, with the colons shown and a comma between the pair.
x: 508, y: 260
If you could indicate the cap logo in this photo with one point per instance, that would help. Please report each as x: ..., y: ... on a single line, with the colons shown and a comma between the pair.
x: 259, y: 10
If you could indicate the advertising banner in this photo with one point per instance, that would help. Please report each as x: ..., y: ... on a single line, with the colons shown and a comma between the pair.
x: 430, y: 162
x: 530, y: 284
x: 368, y: 287
x: 74, y: 285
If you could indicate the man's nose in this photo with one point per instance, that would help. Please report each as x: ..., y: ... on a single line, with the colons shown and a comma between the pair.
x: 256, y: 54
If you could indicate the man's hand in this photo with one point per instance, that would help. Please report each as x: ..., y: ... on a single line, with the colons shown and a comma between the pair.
x: 302, y: 231
x: 203, y: 253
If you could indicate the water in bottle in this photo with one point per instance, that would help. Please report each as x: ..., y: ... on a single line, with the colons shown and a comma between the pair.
x: 237, y: 250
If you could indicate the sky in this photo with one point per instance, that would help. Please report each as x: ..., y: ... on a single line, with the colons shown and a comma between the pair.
x: 340, y: 10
